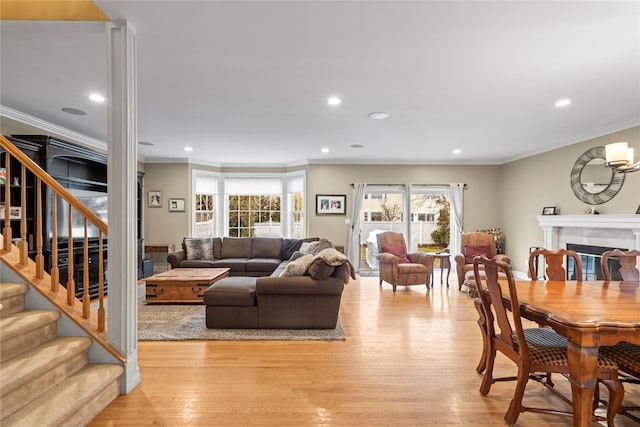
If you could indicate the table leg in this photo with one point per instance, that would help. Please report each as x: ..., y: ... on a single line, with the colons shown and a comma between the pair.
x: 583, y: 363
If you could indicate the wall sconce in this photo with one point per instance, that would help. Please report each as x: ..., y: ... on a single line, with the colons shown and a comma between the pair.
x: 620, y: 157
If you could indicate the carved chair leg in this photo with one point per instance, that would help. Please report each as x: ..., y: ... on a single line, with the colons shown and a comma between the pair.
x: 616, y: 395
x: 482, y: 323
x: 487, y: 379
x: 515, y: 408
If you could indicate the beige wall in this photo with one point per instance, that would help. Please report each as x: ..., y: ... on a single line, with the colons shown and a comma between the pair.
x: 160, y: 225
x: 508, y: 196
x: 337, y: 179
x: 543, y: 180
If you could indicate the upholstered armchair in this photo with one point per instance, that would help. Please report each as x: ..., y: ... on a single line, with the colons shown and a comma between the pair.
x: 399, y: 268
x: 474, y: 244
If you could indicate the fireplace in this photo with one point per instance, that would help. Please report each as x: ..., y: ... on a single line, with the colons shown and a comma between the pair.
x: 602, y: 232
x: 590, y: 258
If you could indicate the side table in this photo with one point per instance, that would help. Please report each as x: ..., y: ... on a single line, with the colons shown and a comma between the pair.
x: 151, y: 250
x: 445, y: 262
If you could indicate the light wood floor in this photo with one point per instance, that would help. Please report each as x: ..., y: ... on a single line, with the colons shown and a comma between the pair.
x: 408, y: 360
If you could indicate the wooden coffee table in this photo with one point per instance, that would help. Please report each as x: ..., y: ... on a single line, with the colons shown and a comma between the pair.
x: 182, y: 285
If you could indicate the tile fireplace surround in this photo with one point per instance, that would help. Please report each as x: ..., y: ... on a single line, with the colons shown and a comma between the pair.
x: 617, y: 231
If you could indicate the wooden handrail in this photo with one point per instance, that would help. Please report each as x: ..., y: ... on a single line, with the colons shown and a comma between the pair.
x: 52, y: 183
x: 33, y: 270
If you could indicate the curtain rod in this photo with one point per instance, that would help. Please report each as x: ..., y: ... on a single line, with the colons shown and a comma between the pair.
x: 413, y: 185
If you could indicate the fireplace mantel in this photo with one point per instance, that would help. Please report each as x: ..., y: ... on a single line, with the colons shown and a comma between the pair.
x: 620, y: 230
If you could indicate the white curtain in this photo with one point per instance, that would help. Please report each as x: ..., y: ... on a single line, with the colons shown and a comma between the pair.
x: 353, y: 242
x: 457, y: 205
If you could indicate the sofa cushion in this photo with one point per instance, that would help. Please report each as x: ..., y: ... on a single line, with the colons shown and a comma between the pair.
x: 198, y: 248
x: 263, y: 265
x: 289, y: 246
x: 298, y: 267
x: 217, y: 247
x: 236, y: 266
x: 398, y: 251
x: 196, y: 263
x: 232, y: 291
x: 470, y: 252
x: 236, y: 247
x: 266, y: 247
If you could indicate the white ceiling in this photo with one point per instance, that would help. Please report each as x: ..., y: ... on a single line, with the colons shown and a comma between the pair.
x: 247, y: 82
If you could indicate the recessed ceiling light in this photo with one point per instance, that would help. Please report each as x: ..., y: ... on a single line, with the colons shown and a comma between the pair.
x: 96, y: 97
x: 378, y: 115
x: 325, y: 150
x: 563, y: 102
x: 74, y: 111
x: 188, y: 149
x: 146, y: 143
x: 334, y: 100
x: 356, y: 146
x: 457, y: 151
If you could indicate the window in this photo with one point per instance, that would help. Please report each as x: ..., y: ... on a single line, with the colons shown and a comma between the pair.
x: 254, y: 207
x: 295, y: 185
x: 204, y: 203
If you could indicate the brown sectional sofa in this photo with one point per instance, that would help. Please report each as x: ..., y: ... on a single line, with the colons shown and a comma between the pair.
x: 257, y: 294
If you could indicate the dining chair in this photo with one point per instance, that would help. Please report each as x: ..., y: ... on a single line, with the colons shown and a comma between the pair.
x: 553, y: 260
x: 627, y: 260
x: 533, y: 350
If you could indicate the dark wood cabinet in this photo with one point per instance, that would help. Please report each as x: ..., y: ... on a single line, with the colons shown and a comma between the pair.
x: 83, y: 172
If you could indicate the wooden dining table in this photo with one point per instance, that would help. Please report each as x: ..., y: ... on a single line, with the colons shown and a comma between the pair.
x: 590, y: 314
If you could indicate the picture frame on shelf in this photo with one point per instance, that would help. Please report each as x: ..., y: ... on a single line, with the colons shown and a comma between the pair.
x: 638, y: 210
x: 176, y: 205
x: 331, y: 204
x: 549, y: 210
x: 154, y: 199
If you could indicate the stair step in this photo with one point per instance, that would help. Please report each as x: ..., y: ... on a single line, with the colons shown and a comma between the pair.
x: 75, y: 401
x: 12, y: 298
x: 23, y: 331
x: 40, y: 369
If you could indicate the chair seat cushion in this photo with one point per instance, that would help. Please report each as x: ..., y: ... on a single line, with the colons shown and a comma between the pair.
x: 625, y: 354
x: 547, y: 347
x: 411, y: 268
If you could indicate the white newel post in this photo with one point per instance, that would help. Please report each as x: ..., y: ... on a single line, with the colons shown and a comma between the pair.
x: 121, y: 176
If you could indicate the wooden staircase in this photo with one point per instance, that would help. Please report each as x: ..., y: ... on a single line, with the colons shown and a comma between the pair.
x: 46, y: 379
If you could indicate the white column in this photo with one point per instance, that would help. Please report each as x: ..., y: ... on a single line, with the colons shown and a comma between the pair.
x: 122, y: 154
x: 550, y: 237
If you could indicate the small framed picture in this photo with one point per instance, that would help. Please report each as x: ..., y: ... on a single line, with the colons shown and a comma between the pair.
x: 638, y: 210
x: 331, y: 204
x: 549, y: 210
x: 176, y: 205
x: 154, y: 199
x: 15, y: 212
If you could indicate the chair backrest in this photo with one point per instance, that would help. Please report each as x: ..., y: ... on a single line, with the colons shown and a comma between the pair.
x: 478, y: 238
x: 553, y: 261
x: 627, y: 260
x: 390, y: 239
x: 491, y: 295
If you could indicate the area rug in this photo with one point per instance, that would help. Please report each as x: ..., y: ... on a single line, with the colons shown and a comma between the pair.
x: 187, y: 322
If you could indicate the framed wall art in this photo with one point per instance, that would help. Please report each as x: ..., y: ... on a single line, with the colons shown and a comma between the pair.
x: 331, y: 204
x: 154, y: 199
x: 176, y: 205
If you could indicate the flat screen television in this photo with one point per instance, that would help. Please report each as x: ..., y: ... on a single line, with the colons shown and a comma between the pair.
x: 94, y: 200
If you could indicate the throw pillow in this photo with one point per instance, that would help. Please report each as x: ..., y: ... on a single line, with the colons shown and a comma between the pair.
x: 398, y: 251
x: 289, y: 246
x: 320, y: 270
x: 470, y: 252
x: 198, y: 248
x: 297, y: 267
